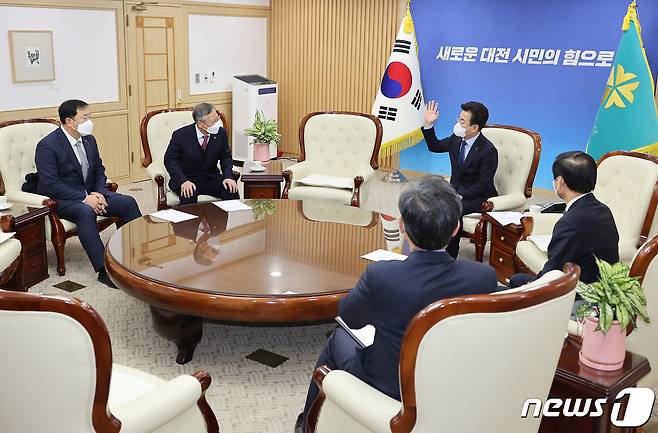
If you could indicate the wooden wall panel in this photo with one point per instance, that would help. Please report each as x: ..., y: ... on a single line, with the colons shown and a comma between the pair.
x: 329, y: 55
x: 111, y: 132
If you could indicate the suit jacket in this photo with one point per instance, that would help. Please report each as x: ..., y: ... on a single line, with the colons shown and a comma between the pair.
x: 59, y: 171
x: 215, y: 218
x: 390, y: 293
x: 474, y: 181
x: 586, y: 230
x: 185, y: 160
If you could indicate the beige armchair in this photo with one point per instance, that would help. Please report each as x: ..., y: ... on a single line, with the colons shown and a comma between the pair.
x: 155, y: 130
x: 19, y: 138
x: 519, y: 151
x: 627, y: 182
x: 444, y: 386
x: 60, y: 376
x: 340, y: 145
x: 10, y: 251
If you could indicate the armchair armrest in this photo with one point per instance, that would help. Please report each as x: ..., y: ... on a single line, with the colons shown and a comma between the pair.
x: 506, y: 202
x: 366, y: 173
x: 539, y: 224
x: 298, y: 171
x: 26, y: 197
x: 159, y: 406
x: 366, y: 405
x: 112, y: 186
x: 575, y: 328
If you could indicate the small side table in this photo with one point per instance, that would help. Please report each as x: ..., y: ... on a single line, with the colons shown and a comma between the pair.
x: 502, y: 256
x: 262, y: 184
x: 29, y: 224
x: 575, y: 380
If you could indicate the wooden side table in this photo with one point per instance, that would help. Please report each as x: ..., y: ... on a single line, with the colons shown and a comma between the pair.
x: 29, y: 224
x: 263, y: 184
x: 575, y: 380
x: 502, y: 256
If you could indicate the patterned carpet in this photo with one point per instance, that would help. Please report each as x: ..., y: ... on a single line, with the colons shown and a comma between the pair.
x: 246, y: 396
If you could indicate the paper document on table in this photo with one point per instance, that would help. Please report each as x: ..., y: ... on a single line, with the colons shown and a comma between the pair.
x: 506, y: 218
x: 5, y: 236
x: 231, y: 205
x: 379, y: 255
x: 364, y: 336
x: 541, y: 241
x: 173, y: 215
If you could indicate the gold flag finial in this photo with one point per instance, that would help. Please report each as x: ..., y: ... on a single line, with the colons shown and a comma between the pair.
x: 408, y: 21
x: 631, y: 15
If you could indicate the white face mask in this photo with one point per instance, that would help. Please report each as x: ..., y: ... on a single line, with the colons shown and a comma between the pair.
x: 555, y: 188
x: 85, y: 127
x: 459, y: 130
x: 214, y: 129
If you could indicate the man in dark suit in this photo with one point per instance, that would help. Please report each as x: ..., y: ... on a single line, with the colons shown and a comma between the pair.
x: 586, y: 230
x: 203, y: 231
x: 473, y: 158
x: 192, y: 156
x: 390, y: 293
x: 71, y: 172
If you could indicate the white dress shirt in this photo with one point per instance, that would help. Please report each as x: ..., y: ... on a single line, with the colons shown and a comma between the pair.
x: 200, y: 134
x: 73, y: 141
x: 575, y: 199
x: 469, y: 144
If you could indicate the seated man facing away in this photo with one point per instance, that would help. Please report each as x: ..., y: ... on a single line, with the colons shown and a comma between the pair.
x: 390, y: 293
x: 192, y: 156
x: 586, y: 230
x: 71, y: 172
x: 473, y: 158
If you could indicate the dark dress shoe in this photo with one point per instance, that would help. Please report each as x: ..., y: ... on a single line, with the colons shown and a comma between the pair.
x: 299, y: 428
x: 105, y: 279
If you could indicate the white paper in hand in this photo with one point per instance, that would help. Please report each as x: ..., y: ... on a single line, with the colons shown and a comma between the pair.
x: 5, y: 236
x: 173, y: 215
x: 364, y: 336
x: 379, y: 255
x: 231, y: 205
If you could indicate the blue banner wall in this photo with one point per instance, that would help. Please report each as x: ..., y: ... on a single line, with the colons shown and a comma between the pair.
x: 504, y: 53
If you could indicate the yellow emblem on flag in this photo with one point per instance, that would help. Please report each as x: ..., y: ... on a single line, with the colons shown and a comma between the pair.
x: 618, y: 85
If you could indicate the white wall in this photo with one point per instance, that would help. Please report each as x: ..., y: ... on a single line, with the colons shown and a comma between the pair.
x: 85, y: 53
x: 240, y: 2
x: 228, y: 46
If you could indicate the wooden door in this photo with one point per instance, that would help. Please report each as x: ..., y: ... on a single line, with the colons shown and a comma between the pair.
x: 151, y: 67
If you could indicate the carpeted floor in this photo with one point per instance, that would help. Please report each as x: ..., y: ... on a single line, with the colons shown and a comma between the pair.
x: 247, y: 396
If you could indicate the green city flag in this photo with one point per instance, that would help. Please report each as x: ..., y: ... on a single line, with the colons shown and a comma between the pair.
x: 627, y: 118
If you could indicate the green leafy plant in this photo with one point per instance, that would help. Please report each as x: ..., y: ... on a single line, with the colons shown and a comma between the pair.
x: 261, y: 207
x: 615, y: 296
x: 263, y: 131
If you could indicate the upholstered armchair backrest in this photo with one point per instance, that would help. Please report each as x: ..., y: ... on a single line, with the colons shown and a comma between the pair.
x: 338, y: 144
x: 643, y: 339
x: 47, y: 372
x: 626, y: 184
x: 159, y: 128
x: 468, y: 361
x: 18, y: 143
x: 516, y: 154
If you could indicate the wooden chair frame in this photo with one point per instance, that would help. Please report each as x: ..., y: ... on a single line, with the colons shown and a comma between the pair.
x: 479, y: 236
x: 59, y: 234
x: 148, y: 158
x: 102, y: 420
x: 405, y: 420
x: 358, y: 180
x: 648, y: 218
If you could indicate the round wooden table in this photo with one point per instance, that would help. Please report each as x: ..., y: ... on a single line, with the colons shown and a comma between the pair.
x: 280, y: 262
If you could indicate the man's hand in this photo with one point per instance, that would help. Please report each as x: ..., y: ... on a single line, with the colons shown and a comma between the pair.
x: 230, y: 185
x: 101, y: 200
x: 187, y: 189
x: 431, y: 114
x: 94, y: 203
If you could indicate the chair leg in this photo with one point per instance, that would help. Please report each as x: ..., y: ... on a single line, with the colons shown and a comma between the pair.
x: 58, y: 245
x: 480, y: 240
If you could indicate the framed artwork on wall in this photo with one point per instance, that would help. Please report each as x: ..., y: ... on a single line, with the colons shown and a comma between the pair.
x: 32, y: 57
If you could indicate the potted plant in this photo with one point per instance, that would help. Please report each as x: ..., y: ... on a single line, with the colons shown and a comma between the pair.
x: 263, y: 132
x: 612, y: 304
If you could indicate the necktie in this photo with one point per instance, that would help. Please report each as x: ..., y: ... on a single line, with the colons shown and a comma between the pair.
x: 82, y: 155
x: 462, y: 153
x: 204, y: 144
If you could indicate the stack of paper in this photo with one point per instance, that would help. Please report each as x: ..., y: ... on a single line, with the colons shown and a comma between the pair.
x: 506, y: 218
x: 5, y: 236
x: 364, y: 336
x: 378, y: 255
x: 231, y: 205
x: 541, y: 241
x: 173, y: 215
